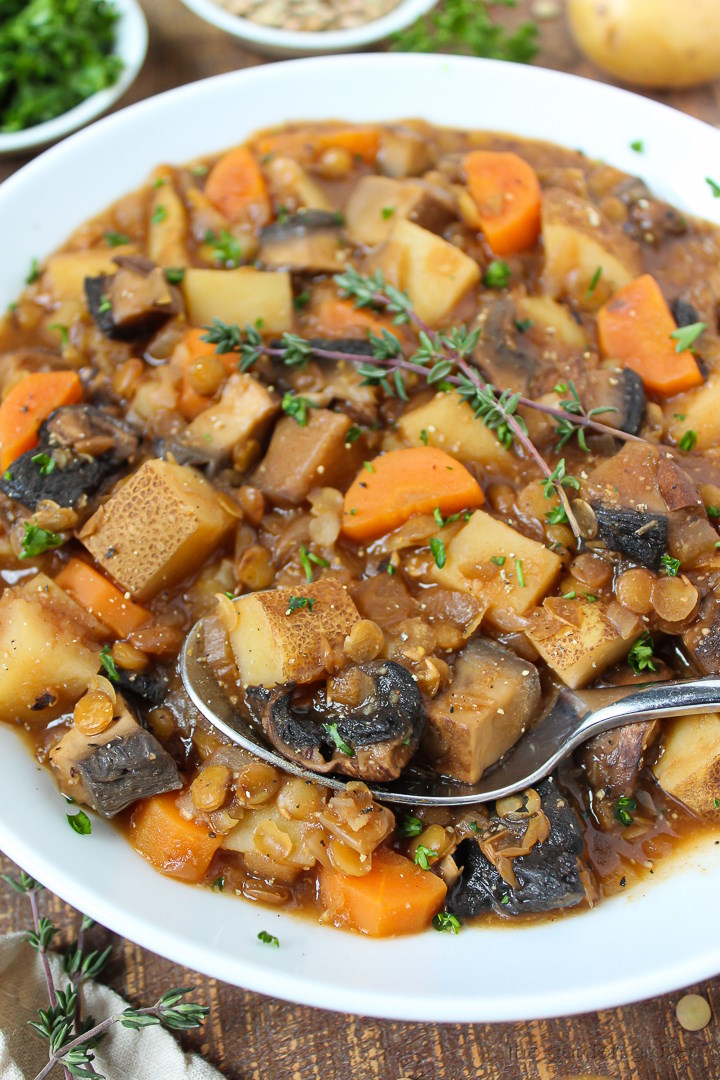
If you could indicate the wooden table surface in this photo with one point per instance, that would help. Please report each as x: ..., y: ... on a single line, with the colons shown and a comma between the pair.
x: 251, y: 1037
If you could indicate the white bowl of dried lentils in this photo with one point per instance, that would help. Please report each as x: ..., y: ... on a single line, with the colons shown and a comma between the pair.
x: 309, y: 27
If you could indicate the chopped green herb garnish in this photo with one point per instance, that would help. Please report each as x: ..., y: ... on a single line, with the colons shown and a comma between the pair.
x: 343, y: 747
x: 686, y: 336
x: 80, y: 823
x: 594, y: 281
x: 408, y: 825
x: 268, y: 939
x: 716, y: 803
x: 505, y: 900
x: 353, y: 434
x: 62, y: 331
x: 670, y: 565
x: 230, y: 595
x: 218, y: 883
x: 387, y: 212
x: 437, y: 550
x: 423, y: 437
x: 297, y: 406
x: 307, y: 558
x: 466, y: 27
x: 44, y: 463
x: 624, y: 809
x: 499, y: 560
x: 497, y: 274
x: 104, y: 305
x: 116, y: 239
x: 227, y: 249
x: 174, y: 275
x: 446, y: 922
x: 679, y: 415
x: 714, y: 187
x: 108, y: 663
x: 424, y: 856
x: 37, y: 541
x: 441, y: 521
x: 393, y: 570
x: 641, y: 657
x: 572, y: 595
x: 519, y: 573
x: 301, y: 300
x: 638, y: 146
x: 688, y: 441
x: 556, y: 515
x: 713, y: 511
x: 523, y: 325
x: 296, y: 603
x: 199, y: 169
x: 474, y: 827
x: 368, y: 466
x: 159, y: 181
x: 33, y: 272
x: 590, y: 598
x: 159, y: 214
x: 7, y: 475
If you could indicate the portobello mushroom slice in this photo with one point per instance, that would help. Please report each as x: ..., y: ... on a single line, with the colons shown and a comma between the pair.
x: 551, y: 876
x: 612, y: 761
x: 498, y: 356
x: 133, y: 302
x: 367, y: 724
x: 620, y: 391
x: 111, y: 770
x: 309, y: 240
x: 150, y: 686
x: 80, y: 449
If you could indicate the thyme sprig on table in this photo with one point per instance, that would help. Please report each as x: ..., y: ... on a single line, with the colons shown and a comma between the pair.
x: 441, y: 359
x: 70, y: 1038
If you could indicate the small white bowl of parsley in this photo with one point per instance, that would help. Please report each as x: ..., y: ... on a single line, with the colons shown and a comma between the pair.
x: 62, y: 64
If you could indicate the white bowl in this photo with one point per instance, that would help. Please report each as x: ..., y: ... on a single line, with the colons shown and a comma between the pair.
x: 662, y: 934
x: 131, y: 46
x: 272, y: 41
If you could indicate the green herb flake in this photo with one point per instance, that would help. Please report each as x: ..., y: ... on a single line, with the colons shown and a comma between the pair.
x: 353, y: 435
x: 368, y: 466
x: 63, y: 331
x: 307, y: 558
x: 393, y: 570
x: 572, y: 595
x: 474, y: 827
x: 37, y: 541
x: 44, y: 463
x: 688, y: 441
x: 641, y: 657
x: 497, y: 274
x: 523, y: 325
x: 594, y: 280
x: 716, y: 803
x: 226, y: 249
x: 297, y: 406
x: 80, y: 823
x: 199, y: 170
x: 446, y: 923
x: 301, y: 300
x: 714, y: 187
x: 408, y: 825
x: 268, y: 939
x: 387, y: 212
x: 498, y: 560
x: 556, y: 515
x: 108, y: 663
x: 670, y: 565
x: 297, y: 603
x: 34, y: 271
x: 218, y: 883
x: 505, y: 900
x: 230, y: 595
x: 159, y: 214
x: 116, y: 239
x: 519, y: 573
x: 624, y: 809
x: 437, y: 550
x: 104, y: 305
x: 686, y: 336
x: 424, y: 856
x: 174, y: 275
x: 638, y: 146
x: 343, y: 747
x: 713, y: 511
x: 7, y: 475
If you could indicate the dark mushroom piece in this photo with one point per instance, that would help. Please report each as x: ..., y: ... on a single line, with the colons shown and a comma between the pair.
x: 111, y: 770
x: 619, y: 391
x: 498, y: 356
x: 371, y: 739
x: 638, y: 534
x: 151, y: 686
x: 85, y: 448
x: 550, y: 876
x: 133, y: 302
x: 309, y: 240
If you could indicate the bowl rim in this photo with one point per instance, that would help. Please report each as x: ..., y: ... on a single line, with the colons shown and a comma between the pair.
x: 131, y: 46
x: 106, y: 878
x: 317, y: 41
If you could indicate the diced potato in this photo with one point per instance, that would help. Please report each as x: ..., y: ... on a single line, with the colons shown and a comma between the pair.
x: 578, y: 240
x: 470, y: 567
x: 493, y: 697
x: 290, y: 183
x: 450, y: 424
x: 700, y: 412
x: 551, y: 315
x: 158, y: 527
x: 301, y: 458
x: 65, y: 273
x: 244, y: 411
x: 273, y: 644
x: 404, y: 153
x: 168, y: 224
x: 689, y: 764
x: 436, y: 274
x: 47, y: 651
x: 577, y: 639
x: 257, y: 834
x: 244, y: 296
x: 376, y: 204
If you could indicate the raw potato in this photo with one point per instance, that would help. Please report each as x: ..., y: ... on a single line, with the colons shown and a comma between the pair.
x: 578, y: 239
x: 700, y: 411
x: 577, y: 640
x: 65, y: 273
x: 273, y: 647
x: 435, y: 274
x: 493, y: 697
x: 550, y: 314
x: 168, y: 224
x: 244, y: 411
x: 450, y: 424
x: 659, y: 43
x: 46, y: 648
x: 469, y: 566
x: 157, y: 528
x: 689, y: 764
x: 244, y: 296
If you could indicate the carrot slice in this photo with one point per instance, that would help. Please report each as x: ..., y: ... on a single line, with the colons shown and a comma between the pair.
x: 192, y: 348
x: 175, y: 846
x: 340, y: 318
x: 30, y: 402
x: 395, y: 897
x: 236, y: 187
x: 362, y: 143
x: 507, y: 194
x: 307, y: 145
x: 395, y: 486
x: 634, y: 327
x: 101, y: 598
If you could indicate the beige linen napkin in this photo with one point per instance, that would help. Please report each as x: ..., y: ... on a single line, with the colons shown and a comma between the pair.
x: 149, y: 1054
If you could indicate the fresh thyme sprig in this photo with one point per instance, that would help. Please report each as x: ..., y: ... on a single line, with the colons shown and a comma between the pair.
x: 71, y: 1039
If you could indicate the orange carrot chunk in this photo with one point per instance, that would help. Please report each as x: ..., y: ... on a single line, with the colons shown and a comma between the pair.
x: 30, y: 402
x: 396, y: 897
x: 362, y: 143
x: 192, y: 348
x: 507, y: 194
x: 340, y: 318
x: 101, y: 598
x: 393, y: 487
x: 175, y: 846
x: 236, y: 187
x: 634, y: 327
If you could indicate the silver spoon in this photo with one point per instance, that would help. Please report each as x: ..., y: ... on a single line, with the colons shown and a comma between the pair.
x: 573, y: 718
